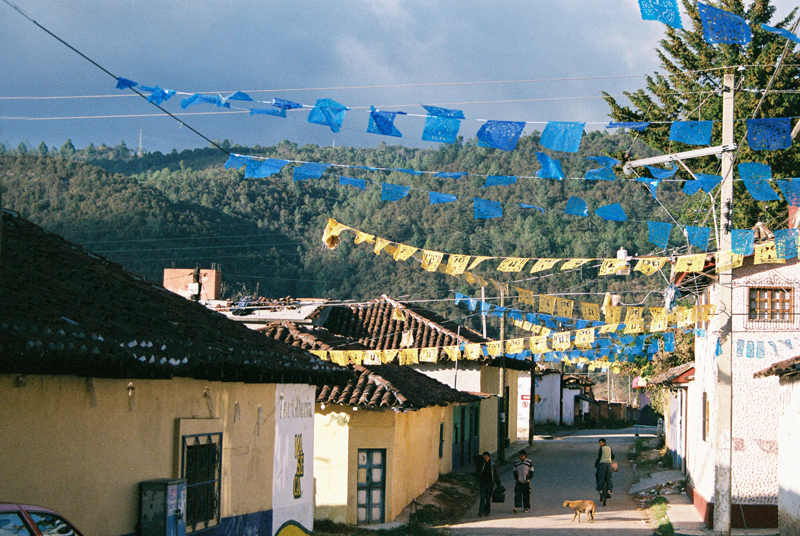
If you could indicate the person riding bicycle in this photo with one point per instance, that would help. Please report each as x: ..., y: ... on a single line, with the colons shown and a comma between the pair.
x: 605, y: 457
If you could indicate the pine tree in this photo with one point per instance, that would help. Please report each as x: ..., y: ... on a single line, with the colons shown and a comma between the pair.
x: 692, y: 90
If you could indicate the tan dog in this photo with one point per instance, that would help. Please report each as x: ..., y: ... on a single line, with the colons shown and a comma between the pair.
x: 581, y: 506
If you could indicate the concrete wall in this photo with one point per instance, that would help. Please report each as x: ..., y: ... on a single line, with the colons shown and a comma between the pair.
x: 546, y: 409
x: 82, y: 448
x: 755, y: 401
x: 788, y: 459
x: 411, y: 441
x: 464, y: 376
x: 568, y: 406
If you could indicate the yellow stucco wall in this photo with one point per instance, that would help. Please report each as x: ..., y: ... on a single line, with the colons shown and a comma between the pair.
x: 83, y: 447
x: 331, y: 444
x: 490, y: 383
x: 411, y: 441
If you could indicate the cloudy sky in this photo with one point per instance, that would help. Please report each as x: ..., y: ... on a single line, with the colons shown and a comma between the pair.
x: 508, y: 60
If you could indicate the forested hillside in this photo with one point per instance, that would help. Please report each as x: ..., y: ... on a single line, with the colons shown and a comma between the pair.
x: 153, y: 211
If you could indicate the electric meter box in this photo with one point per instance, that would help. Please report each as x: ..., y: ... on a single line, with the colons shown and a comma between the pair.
x: 163, y: 507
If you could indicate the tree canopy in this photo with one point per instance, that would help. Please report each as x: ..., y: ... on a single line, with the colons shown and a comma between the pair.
x: 691, y: 90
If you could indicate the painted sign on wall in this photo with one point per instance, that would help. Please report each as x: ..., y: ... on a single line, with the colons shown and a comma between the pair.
x: 293, y: 478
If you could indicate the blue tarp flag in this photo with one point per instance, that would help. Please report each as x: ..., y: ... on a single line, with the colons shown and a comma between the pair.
x: 485, y: 308
x: 277, y: 112
x: 665, y: 11
x: 786, y: 243
x: 769, y: 134
x: 258, y: 169
x: 393, y: 192
x: 658, y: 233
x: 448, y: 175
x: 742, y: 241
x: 459, y: 298
x: 408, y: 170
x: 198, y: 98
x: 761, y: 190
x: 443, y: 112
x: 499, y: 180
x: 124, y: 83
x: 780, y: 31
x: 286, y: 104
x: 328, y: 112
x: 720, y: 26
x: 437, y: 198
x: 691, y: 132
x: 661, y: 173
x: 502, y: 135
x: 754, y: 170
x: 472, y: 303
x: 532, y: 206
x: 358, y: 183
x: 605, y: 161
x: 485, y: 209
x: 160, y: 95
x: 698, y: 236
x: 310, y: 170
x: 236, y: 161
x: 652, y: 184
x: 551, y: 168
x: 562, y: 136
x: 612, y: 212
x: 239, y: 96
x: 442, y: 124
x: 516, y: 314
x: 637, y: 126
x: 600, y: 174
x: 791, y: 191
x: 576, y: 207
x: 704, y: 182
x: 498, y: 311
x: 383, y: 122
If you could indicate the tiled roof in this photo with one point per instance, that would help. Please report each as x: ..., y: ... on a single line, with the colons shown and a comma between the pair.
x: 67, y: 311
x: 670, y: 375
x: 781, y: 368
x: 391, y: 386
x: 307, y: 338
x: 374, y: 325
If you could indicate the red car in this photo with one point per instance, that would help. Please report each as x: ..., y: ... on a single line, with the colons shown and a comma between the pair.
x: 27, y: 520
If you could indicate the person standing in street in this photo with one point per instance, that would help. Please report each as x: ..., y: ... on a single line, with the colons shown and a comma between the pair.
x: 487, y: 478
x: 523, y: 472
x: 605, y: 457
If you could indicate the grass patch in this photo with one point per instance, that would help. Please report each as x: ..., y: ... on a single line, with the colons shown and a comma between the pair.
x: 658, y: 513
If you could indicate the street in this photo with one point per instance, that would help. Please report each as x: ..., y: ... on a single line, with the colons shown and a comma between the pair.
x: 564, y: 470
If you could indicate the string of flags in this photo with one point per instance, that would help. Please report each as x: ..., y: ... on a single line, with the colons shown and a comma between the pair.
x: 719, y: 26
x: 758, y: 349
x: 443, y: 124
x: 784, y: 246
x: 591, y: 340
x: 755, y: 177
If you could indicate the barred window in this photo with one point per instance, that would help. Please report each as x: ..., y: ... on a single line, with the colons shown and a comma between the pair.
x: 202, y: 469
x: 770, y: 304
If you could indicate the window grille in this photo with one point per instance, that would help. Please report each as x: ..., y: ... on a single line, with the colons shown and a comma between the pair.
x: 770, y: 307
x: 202, y: 469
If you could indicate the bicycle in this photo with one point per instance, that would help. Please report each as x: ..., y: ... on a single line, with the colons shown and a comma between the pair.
x: 604, y: 492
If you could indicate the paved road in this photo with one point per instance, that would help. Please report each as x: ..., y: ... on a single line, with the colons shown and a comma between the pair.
x: 564, y: 470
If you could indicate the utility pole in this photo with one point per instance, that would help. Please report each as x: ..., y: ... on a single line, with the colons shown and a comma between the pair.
x: 722, y: 457
x: 532, y: 403
x: 501, y: 406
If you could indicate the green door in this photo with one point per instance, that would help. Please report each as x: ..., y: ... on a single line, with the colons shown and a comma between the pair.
x: 371, y: 486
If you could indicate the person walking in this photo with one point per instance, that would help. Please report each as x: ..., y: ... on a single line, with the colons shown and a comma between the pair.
x: 523, y: 472
x: 486, y: 472
x: 605, y: 457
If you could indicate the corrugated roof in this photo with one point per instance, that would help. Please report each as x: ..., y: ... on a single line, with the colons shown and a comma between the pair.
x: 391, y: 386
x: 67, y: 311
x: 781, y: 368
x: 670, y: 375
